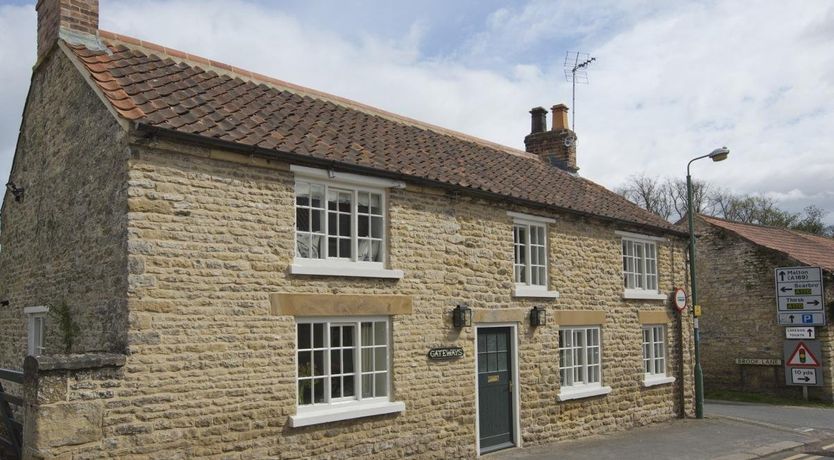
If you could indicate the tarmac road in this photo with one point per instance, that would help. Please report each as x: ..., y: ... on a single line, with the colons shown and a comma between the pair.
x: 730, y: 431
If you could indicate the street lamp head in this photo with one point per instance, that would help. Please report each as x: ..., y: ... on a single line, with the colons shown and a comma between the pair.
x: 719, y: 154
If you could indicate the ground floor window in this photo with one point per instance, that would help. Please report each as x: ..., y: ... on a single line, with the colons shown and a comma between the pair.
x: 580, y: 363
x: 654, y: 355
x: 342, y: 361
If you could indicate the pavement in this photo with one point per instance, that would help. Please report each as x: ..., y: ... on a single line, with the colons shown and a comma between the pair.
x: 729, y: 431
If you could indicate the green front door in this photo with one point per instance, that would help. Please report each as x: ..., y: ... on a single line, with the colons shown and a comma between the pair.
x: 495, y: 388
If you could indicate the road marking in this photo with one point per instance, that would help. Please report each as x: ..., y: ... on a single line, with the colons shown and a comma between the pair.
x: 828, y: 447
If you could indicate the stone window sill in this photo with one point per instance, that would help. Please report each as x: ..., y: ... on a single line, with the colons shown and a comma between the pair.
x: 568, y: 394
x: 643, y: 295
x: 657, y: 380
x: 345, y: 270
x: 539, y: 292
x: 349, y: 412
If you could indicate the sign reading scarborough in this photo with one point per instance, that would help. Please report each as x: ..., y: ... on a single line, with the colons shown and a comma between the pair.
x: 799, y: 296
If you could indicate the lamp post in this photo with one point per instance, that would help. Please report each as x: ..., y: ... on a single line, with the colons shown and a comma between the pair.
x: 715, y: 155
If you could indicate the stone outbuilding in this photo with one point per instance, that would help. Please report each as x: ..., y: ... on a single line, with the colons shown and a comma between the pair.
x: 741, y: 339
x: 201, y: 261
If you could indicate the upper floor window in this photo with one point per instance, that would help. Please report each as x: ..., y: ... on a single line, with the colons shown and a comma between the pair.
x: 640, y: 274
x: 530, y: 256
x: 36, y: 320
x: 340, y: 224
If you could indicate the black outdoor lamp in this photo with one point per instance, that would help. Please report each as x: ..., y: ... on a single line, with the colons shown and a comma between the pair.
x: 462, y: 316
x: 538, y: 316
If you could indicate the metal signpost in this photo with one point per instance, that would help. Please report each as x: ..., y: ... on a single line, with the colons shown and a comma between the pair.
x: 799, y: 296
x: 800, y: 304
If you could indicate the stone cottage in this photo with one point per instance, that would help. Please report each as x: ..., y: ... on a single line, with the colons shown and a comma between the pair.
x: 741, y: 340
x: 200, y: 261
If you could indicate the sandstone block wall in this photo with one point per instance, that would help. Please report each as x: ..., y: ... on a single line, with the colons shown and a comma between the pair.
x: 736, y: 289
x: 66, y: 242
x: 211, y: 373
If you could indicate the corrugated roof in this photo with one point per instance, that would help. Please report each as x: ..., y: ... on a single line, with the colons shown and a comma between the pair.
x: 813, y: 250
x: 174, y: 91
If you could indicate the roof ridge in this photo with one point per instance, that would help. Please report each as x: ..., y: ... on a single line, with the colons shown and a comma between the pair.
x: 749, y: 224
x: 226, y: 69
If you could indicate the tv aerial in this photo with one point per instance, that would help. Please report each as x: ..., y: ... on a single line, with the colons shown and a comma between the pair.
x: 576, y: 71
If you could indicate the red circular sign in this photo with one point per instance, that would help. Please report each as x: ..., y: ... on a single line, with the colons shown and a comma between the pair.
x: 680, y: 299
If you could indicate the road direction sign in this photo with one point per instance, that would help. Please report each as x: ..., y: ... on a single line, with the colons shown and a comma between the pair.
x: 803, y: 363
x: 799, y: 296
x: 797, y: 333
x: 809, y: 319
x: 804, y: 377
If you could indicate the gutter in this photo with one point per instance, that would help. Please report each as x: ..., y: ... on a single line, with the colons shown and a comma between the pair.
x: 307, y: 160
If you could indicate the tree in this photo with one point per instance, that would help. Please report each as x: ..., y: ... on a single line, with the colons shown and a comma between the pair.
x: 667, y: 198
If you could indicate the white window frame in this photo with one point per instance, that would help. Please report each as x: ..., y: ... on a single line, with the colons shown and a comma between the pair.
x: 584, y: 389
x: 345, y: 408
x: 526, y: 289
x: 657, y: 336
x: 35, y: 329
x: 644, y: 241
x: 354, y: 184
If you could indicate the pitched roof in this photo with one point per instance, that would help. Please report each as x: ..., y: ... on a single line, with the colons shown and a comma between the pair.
x: 804, y: 247
x: 175, y: 92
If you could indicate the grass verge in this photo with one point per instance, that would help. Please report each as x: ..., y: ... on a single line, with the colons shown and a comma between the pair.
x: 743, y: 396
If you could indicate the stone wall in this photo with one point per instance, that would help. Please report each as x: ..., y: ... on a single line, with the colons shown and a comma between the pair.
x: 65, y: 242
x: 738, y: 295
x: 211, y: 373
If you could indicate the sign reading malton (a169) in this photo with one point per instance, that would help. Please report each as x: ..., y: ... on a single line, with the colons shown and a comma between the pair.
x: 799, y: 296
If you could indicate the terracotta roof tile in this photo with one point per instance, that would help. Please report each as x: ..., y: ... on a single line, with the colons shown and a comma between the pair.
x: 804, y: 247
x: 176, y: 91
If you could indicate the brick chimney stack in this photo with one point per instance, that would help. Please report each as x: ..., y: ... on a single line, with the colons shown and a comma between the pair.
x: 556, y: 146
x: 75, y: 21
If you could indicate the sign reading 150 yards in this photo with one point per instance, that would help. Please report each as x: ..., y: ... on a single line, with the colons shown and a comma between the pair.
x: 799, y: 295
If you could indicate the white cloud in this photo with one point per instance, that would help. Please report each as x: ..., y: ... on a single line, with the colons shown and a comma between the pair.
x: 671, y: 81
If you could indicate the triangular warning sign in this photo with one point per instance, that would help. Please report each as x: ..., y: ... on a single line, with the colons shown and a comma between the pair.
x: 802, y: 357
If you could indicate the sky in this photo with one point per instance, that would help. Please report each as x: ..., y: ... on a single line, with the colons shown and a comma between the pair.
x: 672, y: 80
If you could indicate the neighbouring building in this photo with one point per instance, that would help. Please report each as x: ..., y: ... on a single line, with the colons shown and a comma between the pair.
x: 741, y: 340
x: 200, y: 261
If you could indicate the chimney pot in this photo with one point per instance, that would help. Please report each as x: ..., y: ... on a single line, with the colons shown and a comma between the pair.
x: 560, y: 117
x: 539, y: 120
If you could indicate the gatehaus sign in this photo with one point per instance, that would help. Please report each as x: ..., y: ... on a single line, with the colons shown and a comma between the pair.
x: 446, y: 353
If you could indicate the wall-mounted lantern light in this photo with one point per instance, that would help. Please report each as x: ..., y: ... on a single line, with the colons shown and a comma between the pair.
x: 462, y: 316
x: 538, y: 316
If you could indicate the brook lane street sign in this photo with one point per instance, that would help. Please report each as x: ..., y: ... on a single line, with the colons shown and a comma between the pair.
x: 797, y: 333
x: 803, y: 362
x: 799, y: 296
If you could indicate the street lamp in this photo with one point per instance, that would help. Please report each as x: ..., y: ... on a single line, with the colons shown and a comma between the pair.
x: 716, y: 155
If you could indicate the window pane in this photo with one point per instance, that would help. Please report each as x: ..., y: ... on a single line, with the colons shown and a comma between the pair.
x: 302, y: 194
x: 347, y: 384
x: 367, y: 359
x: 318, y: 335
x: 318, y: 363
x: 318, y: 390
x: 367, y: 385
x: 317, y: 196
x: 335, y: 336
x: 364, y: 251
x: 303, y: 336
x: 305, y: 392
x: 363, y: 202
x: 376, y: 227
x: 302, y: 219
x: 347, y: 361
x: 502, y: 361
x: 305, y: 365
x: 367, y: 334
x: 302, y: 245
x: 347, y: 336
x: 333, y: 247
x: 317, y: 247
x: 380, y: 336
x: 376, y: 251
x: 336, y: 361
x: 344, y: 248
x: 381, y: 385
x: 376, y: 204
x: 381, y: 361
x: 336, y: 387
x: 332, y: 223
x: 363, y: 224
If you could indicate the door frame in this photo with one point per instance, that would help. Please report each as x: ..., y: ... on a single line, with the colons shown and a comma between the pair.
x: 516, y: 422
